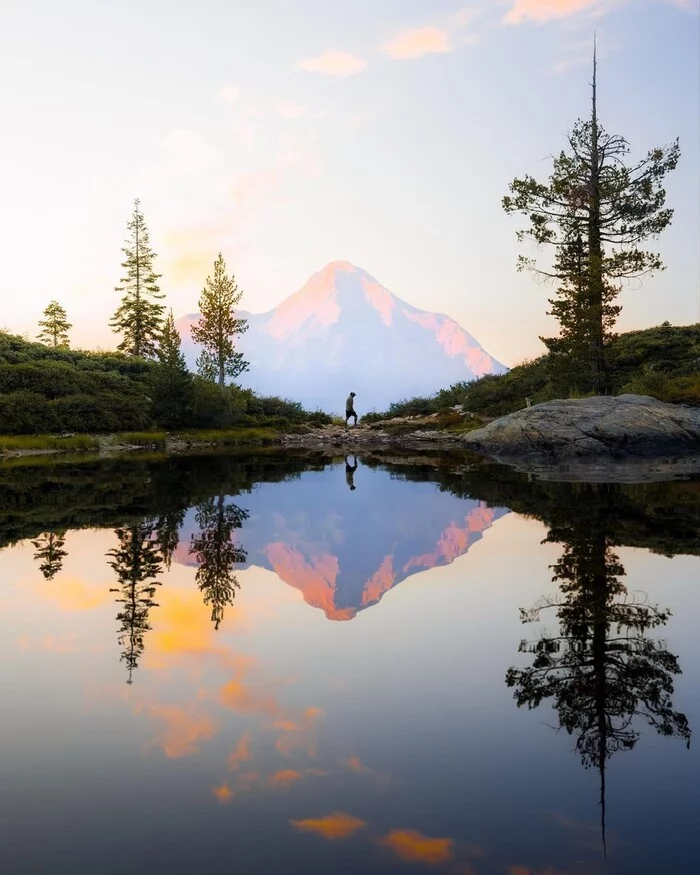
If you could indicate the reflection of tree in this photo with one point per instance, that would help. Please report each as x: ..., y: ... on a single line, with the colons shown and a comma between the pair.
x: 50, y: 553
x: 167, y: 529
x: 136, y: 561
x: 603, y: 672
x: 216, y: 553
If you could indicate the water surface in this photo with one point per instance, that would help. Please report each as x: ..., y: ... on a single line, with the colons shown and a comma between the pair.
x: 305, y: 664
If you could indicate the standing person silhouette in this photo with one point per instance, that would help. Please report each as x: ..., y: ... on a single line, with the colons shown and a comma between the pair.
x: 350, y: 472
x: 350, y: 409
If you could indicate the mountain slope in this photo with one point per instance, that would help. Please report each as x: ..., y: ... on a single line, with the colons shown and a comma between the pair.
x: 343, y: 331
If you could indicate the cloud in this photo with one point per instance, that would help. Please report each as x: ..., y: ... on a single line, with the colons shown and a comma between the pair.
x: 285, y: 777
x: 333, y: 63
x: 463, y: 17
x: 223, y: 793
x: 418, y: 42
x: 333, y: 826
x: 414, y: 847
x: 182, y: 729
x: 229, y: 94
x: 240, y: 753
x: 545, y: 10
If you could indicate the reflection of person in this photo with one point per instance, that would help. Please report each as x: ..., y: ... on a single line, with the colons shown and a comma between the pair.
x: 350, y: 472
x: 350, y: 409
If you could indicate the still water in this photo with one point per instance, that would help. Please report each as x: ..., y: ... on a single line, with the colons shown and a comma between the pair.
x: 274, y: 664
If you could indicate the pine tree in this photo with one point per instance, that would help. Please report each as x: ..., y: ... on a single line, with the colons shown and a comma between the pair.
x: 216, y: 553
x: 54, y: 326
x: 596, y: 210
x: 171, y: 384
x: 218, y: 326
x: 137, y: 562
x: 139, y: 317
x: 50, y: 553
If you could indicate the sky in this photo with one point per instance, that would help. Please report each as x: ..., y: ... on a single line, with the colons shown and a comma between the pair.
x: 288, y: 135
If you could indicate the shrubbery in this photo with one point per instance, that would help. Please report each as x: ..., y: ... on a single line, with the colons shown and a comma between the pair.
x: 46, y: 390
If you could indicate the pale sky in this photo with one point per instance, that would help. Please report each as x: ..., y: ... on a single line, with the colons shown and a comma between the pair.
x: 288, y: 135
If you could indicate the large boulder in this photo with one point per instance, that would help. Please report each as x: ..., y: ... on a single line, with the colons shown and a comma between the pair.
x: 626, y: 427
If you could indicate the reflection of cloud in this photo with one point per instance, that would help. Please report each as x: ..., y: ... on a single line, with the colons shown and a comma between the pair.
x: 182, y: 728
x: 240, y: 753
x: 285, y: 777
x: 354, y: 764
x: 544, y: 10
x: 414, y: 847
x: 333, y: 826
x: 76, y: 595
x: 418, y: 42
x: 298, y: 734
x: 333, y: 63
x: 223, y: 793
x: 247, y: 781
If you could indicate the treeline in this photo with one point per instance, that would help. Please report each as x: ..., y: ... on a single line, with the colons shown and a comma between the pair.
x: 47, y: 389
x: 663, y: 362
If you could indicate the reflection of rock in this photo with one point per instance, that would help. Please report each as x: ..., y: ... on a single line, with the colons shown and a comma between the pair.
x: 343, y: 551
x: 628, y: 426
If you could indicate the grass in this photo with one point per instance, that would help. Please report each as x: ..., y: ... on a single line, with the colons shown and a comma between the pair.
x: 24, y: 443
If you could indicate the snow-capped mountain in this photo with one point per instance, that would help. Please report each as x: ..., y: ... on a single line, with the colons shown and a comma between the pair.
x: 344, y: 331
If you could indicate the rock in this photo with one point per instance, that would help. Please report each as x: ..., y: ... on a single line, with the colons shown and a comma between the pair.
x: 591, y: 429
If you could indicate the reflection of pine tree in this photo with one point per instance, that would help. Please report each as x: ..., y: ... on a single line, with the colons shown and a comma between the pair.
x: 136, y: 561
x: 216, y: 553
x: 602, y: 671
x: 167, y: 530
x: 50, y: 552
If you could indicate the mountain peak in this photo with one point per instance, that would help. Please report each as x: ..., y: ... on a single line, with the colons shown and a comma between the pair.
x: 344, y: 328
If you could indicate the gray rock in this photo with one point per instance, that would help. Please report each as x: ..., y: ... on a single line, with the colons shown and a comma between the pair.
x: 595, y: 429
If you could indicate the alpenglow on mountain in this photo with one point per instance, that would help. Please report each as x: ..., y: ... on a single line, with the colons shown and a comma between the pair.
x: 344, y: 331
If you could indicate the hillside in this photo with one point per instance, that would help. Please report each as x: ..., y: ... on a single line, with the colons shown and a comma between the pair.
x: 663, y: 362
x: 343, y: 331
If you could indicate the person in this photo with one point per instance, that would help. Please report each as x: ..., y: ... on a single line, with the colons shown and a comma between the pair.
x: 350, y: 409
x: 350, y: 472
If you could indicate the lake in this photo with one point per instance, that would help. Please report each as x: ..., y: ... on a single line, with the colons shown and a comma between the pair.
x: 270, y: 664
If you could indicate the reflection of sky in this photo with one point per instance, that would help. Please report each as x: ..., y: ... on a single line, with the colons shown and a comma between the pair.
x: 284, y: 742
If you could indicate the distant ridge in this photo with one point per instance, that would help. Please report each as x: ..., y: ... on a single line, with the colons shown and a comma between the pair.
x: 343, y: 330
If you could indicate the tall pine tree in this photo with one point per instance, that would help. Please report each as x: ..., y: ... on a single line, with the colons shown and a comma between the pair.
x: 139, y: 317
x: 171, y: 383
x: 596, y: 210
x: 218, y: 326
x: 54, y: 326
x: 137, y: 562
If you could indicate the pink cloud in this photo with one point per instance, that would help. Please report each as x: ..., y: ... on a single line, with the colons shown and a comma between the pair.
x: 544, y: 10
x: 418, y: 42
x: 333, y: 63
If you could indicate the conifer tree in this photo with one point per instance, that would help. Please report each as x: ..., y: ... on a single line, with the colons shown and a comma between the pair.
x: 50, y: 553
x: 218, y: 326
x: 136, y: 562
x: 171, y: 388
x: 596, y: 210
x: 139, y: 317
x: 54, y: 326
x: 216, y: 553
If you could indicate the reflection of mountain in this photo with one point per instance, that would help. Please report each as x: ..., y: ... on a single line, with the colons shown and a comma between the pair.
x: 343, y: 550
x: 343, y: 331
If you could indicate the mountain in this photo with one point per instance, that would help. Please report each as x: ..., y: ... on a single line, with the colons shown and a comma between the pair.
x: 344, y: 331
x: 344, y: 550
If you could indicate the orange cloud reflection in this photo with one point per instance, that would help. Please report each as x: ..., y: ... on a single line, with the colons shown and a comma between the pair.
x: 414, y: 847
x: 223, y: 793
x: 333, y: 826
x: 240, y: 753
x: 285, y: 777
x: 182, y: 730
